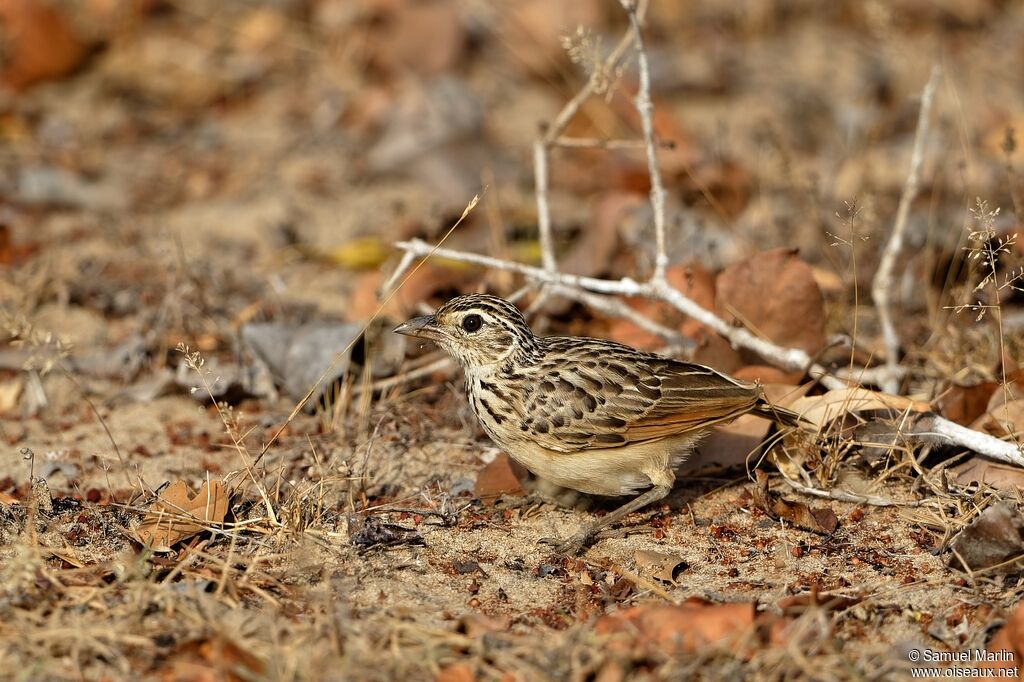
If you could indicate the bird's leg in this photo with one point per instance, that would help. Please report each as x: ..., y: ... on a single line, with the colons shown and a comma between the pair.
x: 575, y: 543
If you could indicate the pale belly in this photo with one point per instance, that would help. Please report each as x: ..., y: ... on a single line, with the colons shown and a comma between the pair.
x: 609, y: 471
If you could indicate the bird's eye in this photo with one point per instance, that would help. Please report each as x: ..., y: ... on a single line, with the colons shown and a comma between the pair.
x: 472, y: 323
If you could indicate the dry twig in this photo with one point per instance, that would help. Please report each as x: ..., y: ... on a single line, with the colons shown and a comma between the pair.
x: 882, y: 285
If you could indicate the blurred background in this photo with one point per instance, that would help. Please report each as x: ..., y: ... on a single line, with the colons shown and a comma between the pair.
x: 183, y: 167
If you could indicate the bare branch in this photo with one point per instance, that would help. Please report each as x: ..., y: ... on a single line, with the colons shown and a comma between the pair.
x: 645, y: 108
x: 616, y: 308
x: 540, y: 172
x: 882, y: 285
x: 789, y: 358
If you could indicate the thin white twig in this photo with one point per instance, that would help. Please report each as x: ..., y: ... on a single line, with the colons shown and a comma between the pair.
x: 595, y: 143
x: 882, y: 285
x: 552, y: 134
x: 788, y: 358
x: 645, y: 108
x: 403, y: 265
x: 616, y: 308
x: 940, y: 430
x: 847, y: 496
x: 540, y: 172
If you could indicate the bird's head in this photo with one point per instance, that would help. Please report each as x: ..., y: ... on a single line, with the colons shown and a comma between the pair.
x: 476, y: 329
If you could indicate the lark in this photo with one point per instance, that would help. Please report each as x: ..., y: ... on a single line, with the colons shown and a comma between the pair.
x: 591, y: 415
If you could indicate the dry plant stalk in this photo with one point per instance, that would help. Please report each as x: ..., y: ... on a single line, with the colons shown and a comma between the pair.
x: 882, y: 285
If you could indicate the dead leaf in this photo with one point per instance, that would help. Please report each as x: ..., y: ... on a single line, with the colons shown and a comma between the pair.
x: 477, y: 624
x: 6, y: 498
x: 260, y: 29
x: 10, y: 393
x: 764, y: 374
x: 692, y: 280
x: 500, y: 477
x: 532, y: 31
x: 1009, y: 638
x: 426, y: 38
x: 963, y: 404
x: 815, y: 519
x: 729, y: 445
x: 1003, y: 420
x: 987, y: 472
x: 457, y: 672
x: 659, y: 565
x: 774, y: 294
x: 593, y: 250
x: 828, y: 281
x: 821, y: 410
x: 176, y: 515
x: 995, y: 537
x: 724, y: 186
x: 688, y: 627
x: 424, y: 284
x: 39, y: 43
x: 716, y: 352
x: 213, y: 658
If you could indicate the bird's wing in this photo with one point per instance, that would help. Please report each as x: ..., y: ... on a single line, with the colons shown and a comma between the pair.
x: 587, y: 393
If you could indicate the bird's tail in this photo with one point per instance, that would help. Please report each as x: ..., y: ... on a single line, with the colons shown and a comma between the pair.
x: 779, y: 415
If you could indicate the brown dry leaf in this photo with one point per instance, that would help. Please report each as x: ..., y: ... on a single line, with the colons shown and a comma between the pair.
x: 532, y: 30
x: 821, y: 410
x: 213, y: 658
x: 815, y: 519
x: 963, y: 404
x: 987, y: 472
x: 666, y: 567
x: 500, y: 477
x: 10, y: 394
x: 730, y: 445
x: 1005, y: 419
x: 39, y: 43
x: 422, y: 37
x: 995, y: 537
x: 457, y: 672
x: 723, y: 186
x: 774, y: 294
x: 477, y: 624
x: 764, y: 374
x: 592, y: 252
x: 694, y: 281
x: 427, y: 281
x: 176, y: 515
x: 260, y: 29
x: 6, y: 498
x: 828, y: 281
x: 1010, y: 638
x: 716, y: 352
x: 682, y: 628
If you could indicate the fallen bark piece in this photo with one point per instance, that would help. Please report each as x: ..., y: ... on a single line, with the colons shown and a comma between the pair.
x: 176, y: 515
x: 817, y: 520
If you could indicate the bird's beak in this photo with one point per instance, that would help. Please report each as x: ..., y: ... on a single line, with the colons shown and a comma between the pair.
x: 423, y: 327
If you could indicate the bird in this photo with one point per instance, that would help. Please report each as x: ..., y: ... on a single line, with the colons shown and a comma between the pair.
x: 588, y: 414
